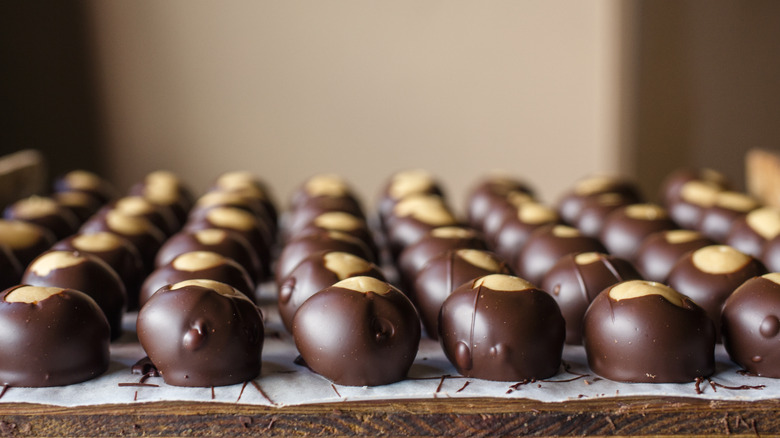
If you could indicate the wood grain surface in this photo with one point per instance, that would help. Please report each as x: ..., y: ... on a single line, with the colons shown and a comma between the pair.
x: 444, y: 417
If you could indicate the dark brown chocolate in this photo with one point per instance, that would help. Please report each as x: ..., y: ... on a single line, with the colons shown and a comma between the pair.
x: 345, y: 223
x: 709, y: 275
x: 165, y: 189
x: 413, y: 217
x: 44, y: 212
x: 595, y: 210
x: 571, y: 203
x: 85, y: 181
x: 327, y: 185
x: 198, y: 264
x: 52, y: 337
x: 443, y: 274
x: 575, y: 281
x: 141, y: 233
x: 693, y: 199
x: 82, y: 204
x: 202, y: 333
x: 225, y: 242
x: 402, y: 185
x: 671, y: 186
x: 716, y: 220
x: 306, y: 213
x: 639, y: 331
x: 358, y: 332
x: 516, y: 228
x: 490, y: 193
x: 304, y: 245
x: 496, y: 217
x: 117, y: 252
x: 626, y: 227
x: 751, y: 325
x: 546, y: 245
x: 25, y: 240
x: 246, y: 183
x: 316, y: 272
x: 138, y: 206
x: 660, y: 251
x: 749, y: 233
x: 501, y: 327
x: 85, y: 273
x: 238, y: 199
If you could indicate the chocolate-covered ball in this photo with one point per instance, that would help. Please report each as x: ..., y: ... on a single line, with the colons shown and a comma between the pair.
x: 414, y: 216
x: 248, y: 184
x: 309, y: 211
x: 709, y: 275
x: 495, y: 218
x: 326, y: 184
x: 749, y: 233
x: 85, y: 273
x: 10, y: 268
x: 316, y: 272
x: 751, y: 325
x: 345, y: 223
x: 224, y: 242
x: 716, y: 220
x: 571, y: 203
x: 359, y: 332
x: 117, y: 252
x: 673, y: 183
x: 86, y: 181
x: 660, y: 251
x: 491, y: 193
x: 202, y: 333
x: 439, y: 240
x: 25, y: 240
x: 44, y: 212
x: 404, y: 184
x: 575, y: 281
x: 304, y: 245
x: 242, y: 200
x: 138, y: 206
x: 641, y: 331
x: 443, y: 274
x: 141, y: 233
x: 239, y: 221
x: 694, y: 197
x: 516, y: 228
x: 82, y: 204
x: 595, y: 210
x: 546, y: 245
x: 198, y: 264
x: 51, y: 336
x: 625, y: 228
x: 165, y: 189
x: 500, y: 327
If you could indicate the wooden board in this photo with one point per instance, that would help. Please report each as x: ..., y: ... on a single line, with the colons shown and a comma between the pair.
x: 443, y: 417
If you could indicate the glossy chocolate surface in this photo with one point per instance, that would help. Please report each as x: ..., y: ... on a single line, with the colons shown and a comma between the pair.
x: 44, y: 212
x: 306, y: 213
x: 502, y: 330
x: 660, y: 251
x: 673, y: 183
x: 358, y: 337
x: 710, y: 280
x: 84, y: 273
x: 443, y: 274
x: 491, y: 193
x: 346, y: 223
x: 575, y: 281
x: 595, y: 210
x: 716, y: 220
x: 403, y: 184
x: 304, y: 245
x: 648, y: 338
x: 316, y: 272
x: 138, y: 206
x: 202, y: 333
x: 626, y: 227
x: 571, y: 203
x: 25, y: 240
x: 546, y: 245
x: 205, y: 265
x: 328, y: 185
x: 751, y: 325
x: 141, y: 233
x: 413, y: 217
x: 59, y: 340
x: 517, y: 226
x: 749, y: 233
x: 165, y: 189
x: 85, y: 181
x: 82, y: 204
x: 225, y: 242
x: 241, y: 200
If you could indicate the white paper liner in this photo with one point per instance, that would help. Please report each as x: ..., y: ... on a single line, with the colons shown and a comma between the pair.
x: 283, y: 383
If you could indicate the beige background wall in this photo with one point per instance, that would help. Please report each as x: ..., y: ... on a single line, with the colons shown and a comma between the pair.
x: 289, y: 89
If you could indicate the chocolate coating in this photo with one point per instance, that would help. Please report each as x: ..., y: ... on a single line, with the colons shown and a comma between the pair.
x: 413, y: 217
x: 693, y: 199
x: 248, y: 184
x: 648, y: 338
x: 345, y: 223
x: 358, y: 332
x: 576, y: 279
x: 496, y: 217
x: 490, y: 193
x: 82, y: 204
x: 25, y: 240
x: 716, y: 220
x: 571, y: 203
x: 546, y: 245
x: 198, y: 264
x: 88, y: 182
x: 141, y: 233
x: 502, y: 328
x: 307, y: 212
x: 117, y: 252
x: 709, y: 275
x: 225, y: 242
x: 439, y: 240
x: 403, y: 184
x: 443, y: 274
x: 165, y: 189
x: 58, y: 340
x: 202, y: 333
x: 304, y: 245
x: 749, y: 233
x: 316, y: 272
x: 237, y: 199
x: 85, y: 273
x: 517, y: 226
x: 595, y: 210
x: 625, y: 228
x: 751, y: 325
x: 138, y: 206
x: 44, y: 212
x: 660, y: 251
x: 770, y: 255
x: 673, y: 183
x: 328, y: 185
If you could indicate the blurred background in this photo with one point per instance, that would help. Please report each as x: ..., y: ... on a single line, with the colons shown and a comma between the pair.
x: 547, y: 90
